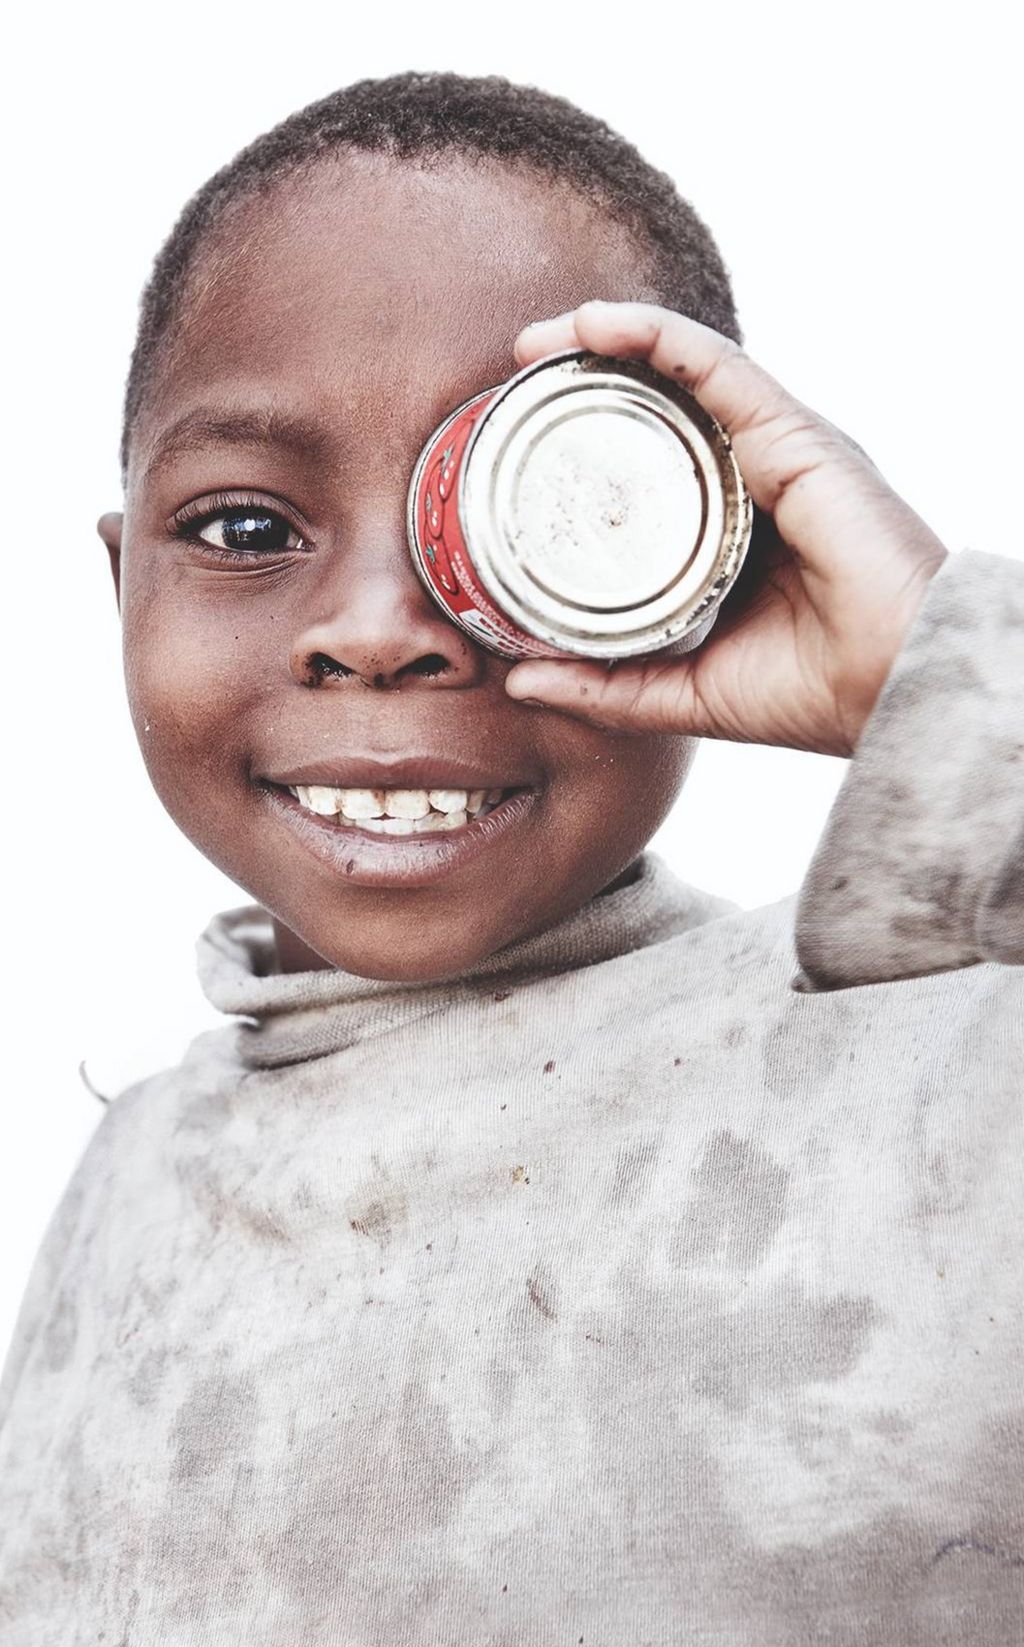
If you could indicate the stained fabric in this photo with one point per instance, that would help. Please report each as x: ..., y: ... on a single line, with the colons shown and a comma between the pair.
x: 657, y: 1280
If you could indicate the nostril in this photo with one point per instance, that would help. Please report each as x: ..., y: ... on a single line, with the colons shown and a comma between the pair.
x: 320, y: 665
x: 432, y: 663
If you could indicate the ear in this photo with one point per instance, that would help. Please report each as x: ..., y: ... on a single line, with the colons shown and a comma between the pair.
x: 110, y: 528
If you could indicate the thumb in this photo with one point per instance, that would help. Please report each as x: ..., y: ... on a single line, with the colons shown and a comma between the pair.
x: 652, y: 695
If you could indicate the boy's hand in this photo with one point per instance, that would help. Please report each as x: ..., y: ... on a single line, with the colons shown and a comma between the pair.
x: 835, y: 573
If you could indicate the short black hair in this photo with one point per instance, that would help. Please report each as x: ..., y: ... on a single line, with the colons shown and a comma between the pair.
x: 421, y: 117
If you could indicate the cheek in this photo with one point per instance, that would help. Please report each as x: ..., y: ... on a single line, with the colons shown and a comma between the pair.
x: 188, y: 700
x: 616, y: 790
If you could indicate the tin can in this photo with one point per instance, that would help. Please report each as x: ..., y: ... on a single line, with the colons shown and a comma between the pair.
x: 588, y: 507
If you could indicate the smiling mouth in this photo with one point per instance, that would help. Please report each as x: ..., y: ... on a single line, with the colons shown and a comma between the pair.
x: 385, y: 848
x: 397, y: 811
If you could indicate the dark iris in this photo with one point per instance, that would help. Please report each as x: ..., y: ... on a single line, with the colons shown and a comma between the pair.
x: 247, y: 529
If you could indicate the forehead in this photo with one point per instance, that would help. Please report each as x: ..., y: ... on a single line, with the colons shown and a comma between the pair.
x: 388, y: 290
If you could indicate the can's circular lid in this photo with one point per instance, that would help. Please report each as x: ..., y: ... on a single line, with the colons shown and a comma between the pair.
x: 602, y: 504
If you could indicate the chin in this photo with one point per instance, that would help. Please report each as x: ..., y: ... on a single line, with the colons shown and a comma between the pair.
x: 433, y: 959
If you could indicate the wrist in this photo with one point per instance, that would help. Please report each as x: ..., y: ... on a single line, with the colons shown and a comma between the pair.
x: 900, y: 620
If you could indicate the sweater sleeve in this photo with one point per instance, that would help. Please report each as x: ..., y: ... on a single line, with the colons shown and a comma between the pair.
x: 920, y: 867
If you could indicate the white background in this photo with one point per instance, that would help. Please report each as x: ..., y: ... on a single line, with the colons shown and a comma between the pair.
x: 860, y: 169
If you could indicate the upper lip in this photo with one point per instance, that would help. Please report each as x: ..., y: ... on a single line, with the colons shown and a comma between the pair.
x: 398, y: 772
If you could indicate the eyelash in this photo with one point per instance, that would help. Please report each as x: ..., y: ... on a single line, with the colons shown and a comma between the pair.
x: 190, y: 520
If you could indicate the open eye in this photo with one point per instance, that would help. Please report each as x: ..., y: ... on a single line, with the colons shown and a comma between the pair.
x: 247, y: 530
x: 237, y: 527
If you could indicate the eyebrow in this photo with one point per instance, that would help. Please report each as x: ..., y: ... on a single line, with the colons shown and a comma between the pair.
x: 214, y: 426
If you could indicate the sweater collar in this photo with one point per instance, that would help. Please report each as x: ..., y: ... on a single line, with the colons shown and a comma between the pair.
x: 289, y: 1017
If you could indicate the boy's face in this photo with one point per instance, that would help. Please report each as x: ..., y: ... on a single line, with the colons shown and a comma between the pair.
x: 330, y: 329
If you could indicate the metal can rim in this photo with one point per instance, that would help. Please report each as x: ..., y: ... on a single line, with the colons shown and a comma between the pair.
x: 427, y: 450
x: 724, y: 562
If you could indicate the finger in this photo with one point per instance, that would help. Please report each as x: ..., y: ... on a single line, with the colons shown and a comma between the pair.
x: 631, y: 331
x: 652, y: 695
x: 546, y: 337
x: 726, y: 381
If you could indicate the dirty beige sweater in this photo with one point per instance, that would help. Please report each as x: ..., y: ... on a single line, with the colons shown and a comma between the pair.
x: 619, y: 1292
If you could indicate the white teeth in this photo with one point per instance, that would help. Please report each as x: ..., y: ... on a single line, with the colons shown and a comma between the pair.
x: 406, y: 803
x: 324, y: 801
x: 397, y: 811
x: 432, y: 823
x: 448, y: 800
x: 362, y: 803
x: 413, y: 826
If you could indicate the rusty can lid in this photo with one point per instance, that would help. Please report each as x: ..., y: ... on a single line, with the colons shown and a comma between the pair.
x: 602, y: 505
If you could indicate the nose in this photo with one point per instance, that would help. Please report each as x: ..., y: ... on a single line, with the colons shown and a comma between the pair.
x: 373, y: 622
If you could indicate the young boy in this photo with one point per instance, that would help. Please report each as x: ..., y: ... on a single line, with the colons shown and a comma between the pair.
x: 552, y: 1253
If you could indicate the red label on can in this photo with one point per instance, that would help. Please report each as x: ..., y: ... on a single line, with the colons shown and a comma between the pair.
x: 438, y: 545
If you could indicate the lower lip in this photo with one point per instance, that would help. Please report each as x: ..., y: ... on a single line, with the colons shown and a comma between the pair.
x: 364, y: 859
